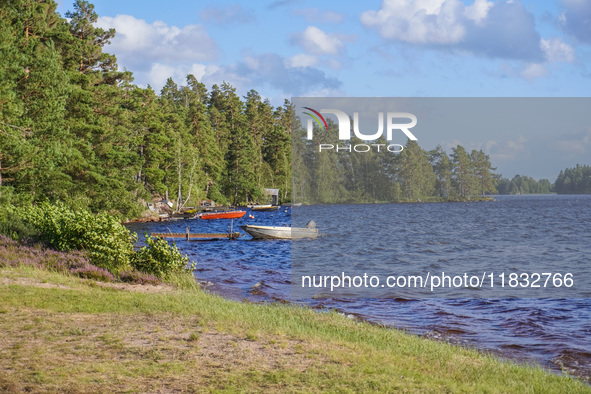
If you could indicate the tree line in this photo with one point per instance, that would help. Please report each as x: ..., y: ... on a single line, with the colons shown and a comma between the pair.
x: 522, y: 184
x: 575, y: 180
x: 74, y: 128
x: 414, y: 174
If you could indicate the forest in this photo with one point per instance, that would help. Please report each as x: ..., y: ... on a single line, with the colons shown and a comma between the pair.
x: 523, y: 184
x: 413, y: 175
x: 575, y: 180
x: 75, y: 129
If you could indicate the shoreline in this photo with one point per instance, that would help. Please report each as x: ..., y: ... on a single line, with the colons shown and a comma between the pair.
x: 559, y: 367
x: 89, y: 337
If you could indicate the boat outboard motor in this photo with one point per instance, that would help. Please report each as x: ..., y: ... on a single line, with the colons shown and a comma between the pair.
x: 311, y: 224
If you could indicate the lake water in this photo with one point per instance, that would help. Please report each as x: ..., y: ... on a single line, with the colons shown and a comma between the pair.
x: 550, y: 326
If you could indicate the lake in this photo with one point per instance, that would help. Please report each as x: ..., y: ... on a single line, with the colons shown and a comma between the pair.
x: 549, y: 325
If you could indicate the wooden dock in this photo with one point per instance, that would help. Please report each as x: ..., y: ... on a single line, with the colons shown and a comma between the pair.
x: 188, y: 235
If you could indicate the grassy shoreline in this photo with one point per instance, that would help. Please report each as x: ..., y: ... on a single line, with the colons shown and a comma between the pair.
x: 61, y: 332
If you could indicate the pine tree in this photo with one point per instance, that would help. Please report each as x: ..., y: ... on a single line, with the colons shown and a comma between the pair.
x: 83, y: 50
x: 277, y: 149
x: 485, y: 181
x: 463, y: 178
x: 241, y: 184
x: 442, y: 168
x: 415, y: 174
x: 208, y: 149
x: 41, y: 93
x: 327, y: 176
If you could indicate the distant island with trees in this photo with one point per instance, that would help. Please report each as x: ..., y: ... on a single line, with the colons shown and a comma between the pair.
x: 576, y: 180
x: 75, y: 129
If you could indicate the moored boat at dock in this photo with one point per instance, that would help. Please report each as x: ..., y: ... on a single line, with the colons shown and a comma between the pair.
x: 223, y: 215
x: 279, y: 232
x: 262, y: 208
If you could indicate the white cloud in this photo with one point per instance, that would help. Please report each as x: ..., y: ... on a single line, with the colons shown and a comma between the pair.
x: 497, y: 30
x: 478, y: 11
x: 489, y: 145
x: 418, y: 22
x: 302, y: 60
x: 139, y: 44
x: 315, y: 41
x: 279, y: 73
x: 159, y: 73
x: 508, y: 150
x: 556, y: 50
x: 534, y: 71
x: 517, y: 145
x: 255, y: 71
x: 157, y: 51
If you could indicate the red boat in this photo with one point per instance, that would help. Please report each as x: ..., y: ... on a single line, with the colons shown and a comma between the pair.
x: 223, y: 215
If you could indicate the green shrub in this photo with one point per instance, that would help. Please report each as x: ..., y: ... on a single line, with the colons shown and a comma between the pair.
x: 107, y: 243
x: 13, y: 226
x: 159, y: 258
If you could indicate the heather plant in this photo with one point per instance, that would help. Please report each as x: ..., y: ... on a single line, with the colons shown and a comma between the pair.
x: 159, y: 258
x: 93, y: 272
x: 107, y: 243
x: 139, y: 278
x: 13, y: 254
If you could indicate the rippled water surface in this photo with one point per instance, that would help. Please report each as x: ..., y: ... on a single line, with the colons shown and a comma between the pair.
x: 524, y: 230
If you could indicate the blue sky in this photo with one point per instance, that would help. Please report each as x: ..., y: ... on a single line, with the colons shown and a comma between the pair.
x: 389, y: 48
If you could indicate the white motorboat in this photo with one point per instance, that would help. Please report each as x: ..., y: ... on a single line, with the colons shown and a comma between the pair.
x: 278, y: 232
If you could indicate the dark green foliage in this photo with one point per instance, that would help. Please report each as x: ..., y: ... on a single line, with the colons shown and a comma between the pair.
x: 159, y: 258
x: 412, y: 175
x: 575, y: 180
x: 442, y: 168
x: 462, y: 173
x: 241, y: 156
x: 13, y: 226
x: 74, y: 129
x: 521, y: 184
x: 485, y: 182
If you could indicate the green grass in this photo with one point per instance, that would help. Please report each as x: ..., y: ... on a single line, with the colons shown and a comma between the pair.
x: 71, y: 334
